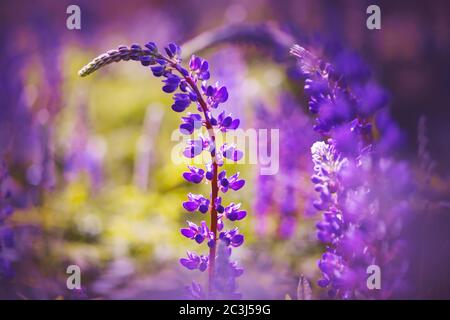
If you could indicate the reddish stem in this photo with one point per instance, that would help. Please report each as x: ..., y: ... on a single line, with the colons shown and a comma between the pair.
x: 214, y: 184
x: 212, y: 250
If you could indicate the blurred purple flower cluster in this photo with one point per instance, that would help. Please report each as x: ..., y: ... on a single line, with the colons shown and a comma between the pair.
x: 6, y: 232
x: 279, y: 193
x: 364, y: 208
x: 83, y: 152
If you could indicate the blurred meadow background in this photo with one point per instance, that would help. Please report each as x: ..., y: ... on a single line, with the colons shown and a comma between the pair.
x: 91, y: 180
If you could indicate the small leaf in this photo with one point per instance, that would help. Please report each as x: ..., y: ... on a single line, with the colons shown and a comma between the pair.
x: 304, y: 291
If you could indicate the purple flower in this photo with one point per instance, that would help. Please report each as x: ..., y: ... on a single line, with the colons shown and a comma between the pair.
x: 327, y: 166
x: 196, y: 202
x: 330, y: 264
x: 184, y: 87
x: 191, y: 122
x: 219, y: 207
x: 171, y: 84
x: 233, y: 212
x: 215, y: 94
x: 329, y: 97
x: 220, y: 224
x: 195, y: 175
x: 152, y: 47
x: 356, y: 215
x: 232, y: 182
x: 182, y: 101
x: 195, y: 261
x: 199, y: 68
x: 220, y: 94
x: 197, y: 233
x: 358, y: 198
x: 147, y: 61
x: 232, y: 237
x: 331, y: 227
x: 195, y: 146
x: 173, y: 51
x: 158, y: 71
x: 209, y: 169
x: 227, y: 122
x: 229, y: 151
x: 135, y: 52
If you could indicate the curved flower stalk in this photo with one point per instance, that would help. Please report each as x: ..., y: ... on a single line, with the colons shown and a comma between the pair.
x: 190, y: 86
x: 265, y: 36
x: 269, y: 40
x: 363, y: 209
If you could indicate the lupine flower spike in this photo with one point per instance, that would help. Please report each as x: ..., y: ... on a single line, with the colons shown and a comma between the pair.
x: 362, y: 207
x: 189, y: 86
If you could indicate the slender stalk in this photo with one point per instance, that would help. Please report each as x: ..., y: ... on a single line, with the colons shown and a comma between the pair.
x: 214, y: 184
x: 135, y: 52
x: 213, y: 228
